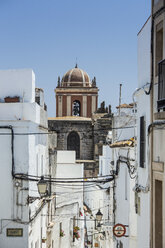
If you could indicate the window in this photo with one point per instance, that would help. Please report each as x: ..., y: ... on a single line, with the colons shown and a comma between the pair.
x: 161, y: 86
x: 73, y: 143
x: 76, y: 108
x: 158, y: 215
x: 142, y: 141
x: 159, y: 45
x: 137, y: 203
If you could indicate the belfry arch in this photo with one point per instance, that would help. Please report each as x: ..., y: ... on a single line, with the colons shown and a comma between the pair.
x: 76, y: 108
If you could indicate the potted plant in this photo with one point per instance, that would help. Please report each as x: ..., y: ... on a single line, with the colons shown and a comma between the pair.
x: 43, y: 240
x: 80, y: 213
x: 89, y: 243
x: 12, y: 99
x: 62, y: 234
x: 76, y: 233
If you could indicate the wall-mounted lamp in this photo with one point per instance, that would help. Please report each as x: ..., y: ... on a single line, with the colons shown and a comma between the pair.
x: 99, y: 215
x: 42, y: 187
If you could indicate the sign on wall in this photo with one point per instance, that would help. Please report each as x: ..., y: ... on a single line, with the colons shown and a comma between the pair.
x: 14, y: 232
x: 119, y: 230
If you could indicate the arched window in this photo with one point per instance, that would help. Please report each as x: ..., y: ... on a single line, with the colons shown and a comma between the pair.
x: 73, y: 143
x: 76, y: 108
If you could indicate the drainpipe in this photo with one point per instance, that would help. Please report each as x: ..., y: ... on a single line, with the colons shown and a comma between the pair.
x: 12, y: 147
x: 151, y: 113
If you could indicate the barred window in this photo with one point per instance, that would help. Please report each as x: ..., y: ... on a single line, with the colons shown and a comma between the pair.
x: 142, y: 142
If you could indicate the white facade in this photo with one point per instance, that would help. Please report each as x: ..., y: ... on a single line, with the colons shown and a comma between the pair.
x: 19, y: 206
x: 123, y: 159
x: 69, y: 202
x: 143, y: 109
x: 97, y: 197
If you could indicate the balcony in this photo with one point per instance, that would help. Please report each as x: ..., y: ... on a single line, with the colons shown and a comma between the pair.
x: 161, y: 86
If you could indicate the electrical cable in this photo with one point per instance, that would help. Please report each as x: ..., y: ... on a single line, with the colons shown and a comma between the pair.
x: 55, y: 131
x: 72, y: 178
x: 33, y: 178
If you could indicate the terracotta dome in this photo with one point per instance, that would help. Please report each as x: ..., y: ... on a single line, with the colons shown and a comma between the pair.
x: 76, y: 77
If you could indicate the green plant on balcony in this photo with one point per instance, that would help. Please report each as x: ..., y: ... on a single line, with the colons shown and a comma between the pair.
x: 62, y: 234
x: 76, y: 233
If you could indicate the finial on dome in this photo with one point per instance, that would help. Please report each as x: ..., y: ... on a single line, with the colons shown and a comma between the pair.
x: 76, y: 66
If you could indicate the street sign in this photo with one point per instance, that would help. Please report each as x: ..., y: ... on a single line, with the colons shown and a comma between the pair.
x: 119, y: 230
x: 14, y: 232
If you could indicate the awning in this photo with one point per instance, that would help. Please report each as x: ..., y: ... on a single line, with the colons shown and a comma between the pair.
x: 124, y: 143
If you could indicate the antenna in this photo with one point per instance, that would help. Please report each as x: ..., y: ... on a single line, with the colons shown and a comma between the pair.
x: 120, y: 97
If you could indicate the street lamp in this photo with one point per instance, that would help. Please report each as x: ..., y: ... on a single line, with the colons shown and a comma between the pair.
x: 42, y: 187
x: 99, y: 215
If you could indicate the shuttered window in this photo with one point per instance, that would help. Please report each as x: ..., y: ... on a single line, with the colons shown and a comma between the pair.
x: 142, y: 142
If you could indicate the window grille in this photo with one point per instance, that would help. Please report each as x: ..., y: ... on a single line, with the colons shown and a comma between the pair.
x: 161, y: 86
x: 142, y: 141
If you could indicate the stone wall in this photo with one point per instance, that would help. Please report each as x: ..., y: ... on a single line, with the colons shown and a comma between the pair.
x: 83, y: 128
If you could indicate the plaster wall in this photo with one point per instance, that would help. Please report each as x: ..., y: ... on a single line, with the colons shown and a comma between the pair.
x: 144, y: 53
x: 16, y: 210
x: 100, y: 197
x: 143, y: 219
x: 14, y: 204
x: 104, y: 161
x: 23, y: 111
x: 124, y: 197
x: 69, y: 201
x: 18, y: 83
x: 143, y: 109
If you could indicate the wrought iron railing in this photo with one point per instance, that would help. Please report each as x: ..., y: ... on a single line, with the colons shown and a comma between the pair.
x: 161, y: 86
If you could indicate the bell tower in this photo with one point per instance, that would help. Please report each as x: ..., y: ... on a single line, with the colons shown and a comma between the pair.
x: 76, y: 95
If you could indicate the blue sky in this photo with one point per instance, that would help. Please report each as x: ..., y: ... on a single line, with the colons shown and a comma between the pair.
x: 48, y: 35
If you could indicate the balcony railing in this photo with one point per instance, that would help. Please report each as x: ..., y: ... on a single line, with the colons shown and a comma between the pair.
x: 161, y: 86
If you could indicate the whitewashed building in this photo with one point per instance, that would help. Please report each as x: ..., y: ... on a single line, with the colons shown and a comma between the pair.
x: 97, y: 197
x: 123, y: 163
x: 68, y: 218
x: 23, y: 145
x: 143, y: 185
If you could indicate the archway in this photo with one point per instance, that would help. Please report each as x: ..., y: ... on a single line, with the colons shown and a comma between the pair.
x: 73, y: 143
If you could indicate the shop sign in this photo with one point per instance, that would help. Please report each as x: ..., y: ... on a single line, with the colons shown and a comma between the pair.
x: 14, y: 232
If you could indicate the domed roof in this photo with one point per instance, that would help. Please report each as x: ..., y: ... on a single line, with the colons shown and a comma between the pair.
x: 76, y: 77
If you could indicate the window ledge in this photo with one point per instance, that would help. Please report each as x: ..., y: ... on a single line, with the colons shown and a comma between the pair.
x: 159, y: 115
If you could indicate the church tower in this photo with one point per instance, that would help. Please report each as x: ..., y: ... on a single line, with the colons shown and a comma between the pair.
x: 79, y: 125
x: 76, y: 95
